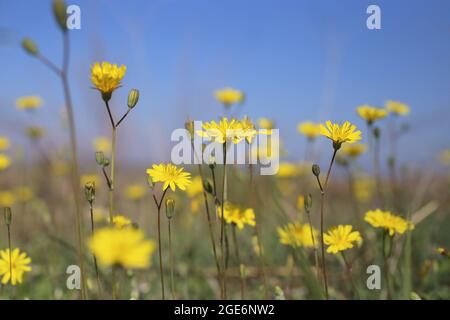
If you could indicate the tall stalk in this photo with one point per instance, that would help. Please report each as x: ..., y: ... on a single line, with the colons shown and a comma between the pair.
x: 222, y: 223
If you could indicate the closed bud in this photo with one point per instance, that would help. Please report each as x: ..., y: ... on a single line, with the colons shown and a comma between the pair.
x: 189, y: 126
x: 308, y: 203
x: 7, y: 215
x: 29, y: 46
x: 100, y: 158
x: 207, y: 186
x: 212, y: 162
x: 133, y: 98
x: 106, y: 162
x: 170, y: 208
x: 60, y: 13
x: 316, y: 170
x: 89, y: 191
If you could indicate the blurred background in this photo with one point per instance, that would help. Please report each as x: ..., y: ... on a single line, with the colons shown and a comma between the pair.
x: 296, y: 61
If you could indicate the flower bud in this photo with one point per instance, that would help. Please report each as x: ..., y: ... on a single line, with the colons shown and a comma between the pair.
x: 8, y: 215
x: 170, y: 208
x: 212, y: 162
x: 106, y: 162
x: 189, y: 126
x: 316, y: 170
x: 89, y: 191
x: 207, y: 186
x: 100, y: 158
x: 29, y: 46
x: 133, y: 98
x: 308, y: 203
x: 60, y: 13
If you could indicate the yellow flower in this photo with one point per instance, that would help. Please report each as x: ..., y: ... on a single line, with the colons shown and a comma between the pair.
x: 248, y: 129
x: 224, y: 131
x: 297, y: 235
x: 340, y: 133
x: 102, y: 144
x: 94, y: 178
x: 371, y: 114
x: 7, y: 199
x: 124, y: 247
x: 390, y: 222
x: 265, y: 123
x: 29, y: 102
x: 229, y: 96
x: 135, y: 192
x: 24, y: 193
x: 341, y: 238
x: 353, y: 151
x: 61, y: 168
x: 13, y: 269
x: 288, y: 170
x: 301, y: 202
x: 196, y: 187
x: 171, y: 176
x: 309, y: 129
x: 195, y: 205
x: 364, y: 188
x: 107, y: 77
x: 398, y: 108
x: 4, y: 143
x: 120, y: 221
x: 5, y: 161
x: 238, y: 216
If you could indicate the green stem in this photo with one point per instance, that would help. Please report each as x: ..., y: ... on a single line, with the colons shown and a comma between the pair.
x: 172, y: 285
x: 238, y: 258
x: 161, y: 268
x: 222, y: 223
x: 91, y: 211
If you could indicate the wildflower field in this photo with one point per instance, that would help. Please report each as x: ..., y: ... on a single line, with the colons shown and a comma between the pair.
x: 96, y: 204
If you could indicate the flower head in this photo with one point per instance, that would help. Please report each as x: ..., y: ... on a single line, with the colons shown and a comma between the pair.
x: 238, y: 216
x: 13, y: 269
x: 94, y: 178
x: 7, y: 199
x: 354, y: 150
x: 5, y: 161
x: 309, y: 129
x: 224, y: 131
x: 288, y: 170
x: 24, y: 193
x: 340, y: 133
x: 196, y: 187
x: 390, y: 222
x: 120, y: 221
x: 125, y: 247
x: 4, y: 143
x: 229, y: 96
x: 341, y: 238
x: 135, y: 191
x: 265, y: 123
x: 29, y: 102
x: 371, y: 114
x: 106, y: 77
x: 170, y: 175
x: 102, y: 144
x: 397, y: 108
x: 297, y: 235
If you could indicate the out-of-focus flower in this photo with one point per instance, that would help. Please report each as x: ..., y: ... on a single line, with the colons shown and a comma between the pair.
x: 388, y: 221
x: 61, y: 168
x: 340, y: 133
x: 288, y: 170
x: 13, y: 266
x: 170, y: 175
x: 224, y: 131
x: 236, y: 215
x: 256, y: 247
x: 135, y: 191
x: 363, y: 188
x: 102, y: 144
x: 444, y: 157
x: 94, y: 178
x: 35, y: 132
x: 397, y: 108
x: 7, y: 199
x: 229, y: 96
x: 120, y: 221
x: 354, y: 150
x: 196, y: 187
x: 5, y: 161
x: 301, y: 202
x: 125, y: 247
x: 341, y: 238
x: 107, y: 77
x: 24, y: 193
x: 265, y: 123
x: 309, y: 129
x: 4, y: 143
x: 297, y: 235
x: 443, y: 252
x: 195, y: 205
x: 371, y: 114
x: 248, y: 129
x: 29, y: 102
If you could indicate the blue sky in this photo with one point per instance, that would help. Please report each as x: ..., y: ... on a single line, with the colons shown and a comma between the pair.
x: 296, y: 60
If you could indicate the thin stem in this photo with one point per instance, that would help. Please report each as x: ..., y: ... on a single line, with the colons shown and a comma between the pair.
x: 172, y: 285
x: 222, y: 222
x: 376, y: 167
x: 10, y: 254
x: 123, y: 117
x: 386, y: 264
x: 91, y: 211
x: 238, y: 259
x: 161, y: 274
x: 349, y: 274
x: 316, y: 255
